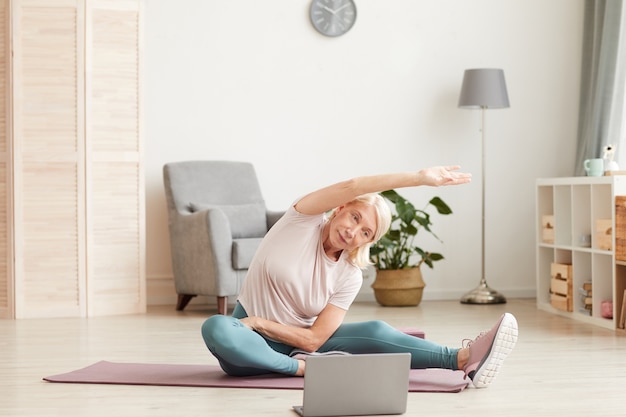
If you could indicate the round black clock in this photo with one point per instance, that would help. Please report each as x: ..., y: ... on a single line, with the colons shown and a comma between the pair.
x: 333, y: 17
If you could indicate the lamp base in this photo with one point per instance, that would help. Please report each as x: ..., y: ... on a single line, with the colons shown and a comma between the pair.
x: 483, y: 295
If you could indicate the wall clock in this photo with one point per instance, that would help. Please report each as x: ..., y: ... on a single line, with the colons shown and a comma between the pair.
x: 332, y: 17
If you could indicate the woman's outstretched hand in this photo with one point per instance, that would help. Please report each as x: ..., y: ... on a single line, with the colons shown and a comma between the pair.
x: 443, y: 175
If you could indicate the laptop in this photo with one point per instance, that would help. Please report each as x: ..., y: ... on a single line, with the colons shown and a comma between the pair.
x: 355, y: 385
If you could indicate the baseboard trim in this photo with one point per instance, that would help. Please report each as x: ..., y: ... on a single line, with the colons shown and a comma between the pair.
x: 160, y: 291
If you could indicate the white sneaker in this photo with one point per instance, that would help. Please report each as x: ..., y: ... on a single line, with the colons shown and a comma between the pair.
x: 488, y: 351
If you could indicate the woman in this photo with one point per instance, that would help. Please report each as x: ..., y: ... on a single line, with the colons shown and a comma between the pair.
x: 307, y: 272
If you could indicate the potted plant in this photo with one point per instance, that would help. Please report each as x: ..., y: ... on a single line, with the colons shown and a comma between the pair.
x: 396, y: 256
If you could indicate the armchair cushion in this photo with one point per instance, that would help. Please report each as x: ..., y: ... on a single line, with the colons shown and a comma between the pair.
x: 246, y: 220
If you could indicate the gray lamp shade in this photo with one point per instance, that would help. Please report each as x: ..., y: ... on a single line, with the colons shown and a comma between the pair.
x: 484, y: 88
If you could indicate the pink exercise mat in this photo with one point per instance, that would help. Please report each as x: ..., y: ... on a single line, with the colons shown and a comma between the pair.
x: 104, y: 372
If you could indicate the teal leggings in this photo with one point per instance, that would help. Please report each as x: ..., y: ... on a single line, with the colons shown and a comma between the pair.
x: 244, y: 352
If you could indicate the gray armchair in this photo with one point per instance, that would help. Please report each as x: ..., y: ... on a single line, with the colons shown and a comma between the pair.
x: 217, y: 218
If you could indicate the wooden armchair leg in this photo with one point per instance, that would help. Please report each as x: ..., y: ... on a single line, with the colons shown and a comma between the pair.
x: 183, y: 300
x: 222, y: 305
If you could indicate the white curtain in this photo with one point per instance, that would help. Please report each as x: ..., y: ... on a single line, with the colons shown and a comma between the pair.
x: 602, y: 94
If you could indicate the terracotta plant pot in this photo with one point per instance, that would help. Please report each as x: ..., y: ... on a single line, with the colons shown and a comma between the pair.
x: 399, y: 287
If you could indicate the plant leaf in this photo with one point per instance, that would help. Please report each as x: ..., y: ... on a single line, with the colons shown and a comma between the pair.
x: 391, y: 195
x: 440, y: 205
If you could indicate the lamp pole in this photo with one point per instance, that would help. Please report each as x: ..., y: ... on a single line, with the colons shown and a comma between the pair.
x: 483, y: 294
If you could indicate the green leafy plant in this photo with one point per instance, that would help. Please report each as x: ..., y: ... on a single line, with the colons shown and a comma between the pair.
x: 397, y: 248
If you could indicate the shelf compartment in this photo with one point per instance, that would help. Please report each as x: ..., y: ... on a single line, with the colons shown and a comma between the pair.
x: 563, y: 215
x: 581, y: 217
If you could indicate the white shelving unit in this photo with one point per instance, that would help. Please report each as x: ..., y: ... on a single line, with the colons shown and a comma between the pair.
x: 576, y: 204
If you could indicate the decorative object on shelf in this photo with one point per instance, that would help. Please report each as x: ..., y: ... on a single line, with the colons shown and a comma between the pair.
x: 332, y: 17
x: 604, y: 234
x: 584, y: 240
x: 620, y: 228
x: 607, y: 309
x: 547, y: 228
x: 586, y: 295
x: 622, y: 317
x: 608, y: 157
x: 483, y: 89
x: 397, y: 258
x: 561, y: 286
x: 594, y: 167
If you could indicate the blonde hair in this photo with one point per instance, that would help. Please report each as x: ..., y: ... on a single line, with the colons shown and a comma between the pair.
x: 361, y: 256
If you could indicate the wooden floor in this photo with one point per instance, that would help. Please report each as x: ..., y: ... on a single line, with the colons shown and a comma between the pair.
x: 559, y: 367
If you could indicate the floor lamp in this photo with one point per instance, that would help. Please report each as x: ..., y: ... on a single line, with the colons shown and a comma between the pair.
x: 483, y: 89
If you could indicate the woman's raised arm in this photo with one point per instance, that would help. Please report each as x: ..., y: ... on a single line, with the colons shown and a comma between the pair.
x: 335, y: 195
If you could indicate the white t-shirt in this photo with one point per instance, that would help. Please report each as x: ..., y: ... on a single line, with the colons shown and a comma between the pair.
x: 291, y: 279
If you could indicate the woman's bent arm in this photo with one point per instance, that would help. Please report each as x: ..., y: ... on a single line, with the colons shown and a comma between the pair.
x: 308, y: 339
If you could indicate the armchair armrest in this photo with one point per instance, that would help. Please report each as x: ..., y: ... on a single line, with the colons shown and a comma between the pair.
x: 202, y: 245
x: 272, y: 217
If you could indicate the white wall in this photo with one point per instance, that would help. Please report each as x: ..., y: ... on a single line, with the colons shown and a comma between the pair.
x: 251, y: 80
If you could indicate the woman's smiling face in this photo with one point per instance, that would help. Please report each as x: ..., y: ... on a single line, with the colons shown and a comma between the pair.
x: 352, y: 226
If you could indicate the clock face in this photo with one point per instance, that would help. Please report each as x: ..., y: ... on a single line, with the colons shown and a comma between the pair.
x: 333, y: 17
